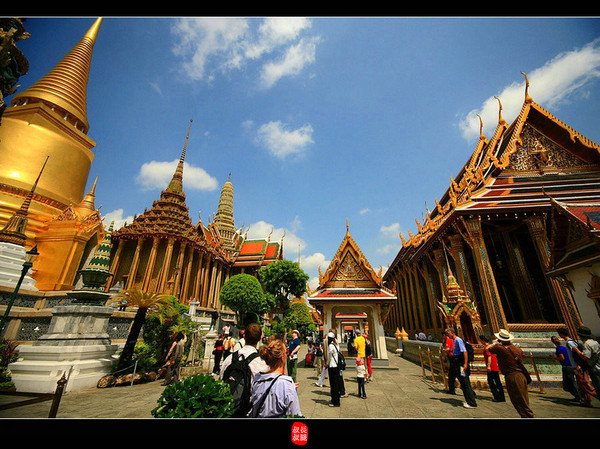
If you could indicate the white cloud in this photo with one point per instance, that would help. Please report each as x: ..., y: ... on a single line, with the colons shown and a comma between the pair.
x: 392, y: 230
x: 293, y: 61
x: 214, y: 45
x: 116, y: 216
x: 157, y: 175
x: 364, y: 211
x: 280, y: 142
x: 314, y: 261
x: 551, y: 85
x: 390, y: 248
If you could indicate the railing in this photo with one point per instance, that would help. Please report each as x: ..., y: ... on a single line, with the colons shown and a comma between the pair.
x: 429, y: 363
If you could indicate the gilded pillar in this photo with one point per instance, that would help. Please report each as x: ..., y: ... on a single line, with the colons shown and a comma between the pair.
x: 114, y: 265
x: 151, y: 262
x: 417, y: 301
x: 164, y: 272
x: 460, y: 262
x: 134, y: 264
x: 562, y: 296
x: 489, y: 290
x: 198, y: 279
x: 179, y: 266
x: 187, y: 276
x: 440, y: 264
x: 426, y: 275
x: 205, y: 283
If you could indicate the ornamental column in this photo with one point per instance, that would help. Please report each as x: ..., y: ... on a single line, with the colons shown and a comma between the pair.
x: 134, y: 264
x: 115, y: 265
x: 150, y: 266
x: 562, y: 295
x: 491, y: 297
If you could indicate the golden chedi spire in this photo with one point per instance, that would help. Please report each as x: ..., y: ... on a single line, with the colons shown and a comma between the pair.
x: 65, y: 85
x: 224, y: 216
x: 49, y: 118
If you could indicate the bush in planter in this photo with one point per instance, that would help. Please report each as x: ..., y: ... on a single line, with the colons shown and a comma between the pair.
x: 200, y: 396
x: 8, y: 354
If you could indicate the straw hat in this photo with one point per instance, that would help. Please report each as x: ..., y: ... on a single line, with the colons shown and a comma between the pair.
x: 504, y: 335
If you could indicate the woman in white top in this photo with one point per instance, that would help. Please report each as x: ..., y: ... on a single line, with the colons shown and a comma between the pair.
x: 274, y: 394
x: 335, y: 375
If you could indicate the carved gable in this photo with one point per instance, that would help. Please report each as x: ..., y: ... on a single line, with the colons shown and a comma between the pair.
x: 536, y: 152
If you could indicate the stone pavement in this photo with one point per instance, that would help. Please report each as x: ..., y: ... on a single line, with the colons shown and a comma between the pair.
x: 399, y: 391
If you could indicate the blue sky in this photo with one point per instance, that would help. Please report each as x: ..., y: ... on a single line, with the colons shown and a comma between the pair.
x: 318, y: 120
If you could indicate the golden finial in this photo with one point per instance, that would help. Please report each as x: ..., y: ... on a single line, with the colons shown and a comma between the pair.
x: 500, y: 119
x: 481, y: 136
x: 402, y: 238
x: 527, y: 97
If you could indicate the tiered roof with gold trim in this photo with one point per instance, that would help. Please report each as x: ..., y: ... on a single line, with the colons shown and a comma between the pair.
x: 350, y: 277
x: 504, y: 173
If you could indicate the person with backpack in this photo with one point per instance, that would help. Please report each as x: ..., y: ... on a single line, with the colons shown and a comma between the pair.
x: 240, y: 368
x: 274, y: 394
x: 334, y: 357
x: 564, y: 356
x: 460, y: 358
x: 591, y: 356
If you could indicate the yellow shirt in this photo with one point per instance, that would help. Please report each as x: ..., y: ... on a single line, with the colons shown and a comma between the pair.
x: 360, y: 344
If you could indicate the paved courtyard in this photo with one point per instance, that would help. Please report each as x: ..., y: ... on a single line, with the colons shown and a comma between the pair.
x: 399, y: 391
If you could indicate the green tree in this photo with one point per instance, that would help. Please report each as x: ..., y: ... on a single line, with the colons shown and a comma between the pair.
x: 145, y: 302
x: 244, y: 295
x: 298, y: 317
x: 282, y: 279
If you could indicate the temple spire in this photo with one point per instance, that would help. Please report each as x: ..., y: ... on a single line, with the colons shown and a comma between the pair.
x: 14, y: 231
x: 176, y: 184
x: 65, y: 86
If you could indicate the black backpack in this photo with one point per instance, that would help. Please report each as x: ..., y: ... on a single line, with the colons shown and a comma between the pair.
x: 239, y: 378
x: 470, y: 351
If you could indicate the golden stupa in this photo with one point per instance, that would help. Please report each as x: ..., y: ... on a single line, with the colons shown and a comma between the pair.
x: 48, y: 121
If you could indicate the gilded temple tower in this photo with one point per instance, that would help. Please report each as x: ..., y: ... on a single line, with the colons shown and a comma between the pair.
x: 49, y: 121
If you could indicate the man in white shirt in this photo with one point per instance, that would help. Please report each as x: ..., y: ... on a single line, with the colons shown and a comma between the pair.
x: 252, y: 335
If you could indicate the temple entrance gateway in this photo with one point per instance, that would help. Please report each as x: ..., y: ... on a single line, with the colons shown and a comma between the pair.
x: 351, y: 294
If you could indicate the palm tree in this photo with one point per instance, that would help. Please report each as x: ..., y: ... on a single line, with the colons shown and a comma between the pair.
x: 145, y: 302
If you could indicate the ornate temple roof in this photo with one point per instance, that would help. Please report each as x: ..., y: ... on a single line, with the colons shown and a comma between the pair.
x: 169, y: 216
x: 349, y: 277
x: 512, y: 172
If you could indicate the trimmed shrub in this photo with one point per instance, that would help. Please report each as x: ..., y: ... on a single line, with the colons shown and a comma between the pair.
x: 199, y: 396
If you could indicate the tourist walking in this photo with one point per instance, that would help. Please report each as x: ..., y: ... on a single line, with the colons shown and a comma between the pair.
x: 591, y: 356
x: 218, y: 353
x: 448, y: 348
x: 343, y: 393
x: 361, y: 377
x: 293, y: 348
x: 493, y: 372
x: 359, y: 345
x: 253, y: 333
x: 460, y: 358
x: 511, y: 366
x: 228, y: 344
x: 335, y: 375
x: 369, y: 356
x: 273, y: 393
x: 173, y: 359
x: 567, y: 365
